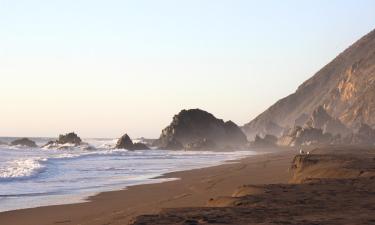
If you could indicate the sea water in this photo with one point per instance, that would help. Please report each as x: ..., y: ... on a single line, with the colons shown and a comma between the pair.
x: 32, y: 177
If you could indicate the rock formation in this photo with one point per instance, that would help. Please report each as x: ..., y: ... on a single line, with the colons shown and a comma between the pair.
x: 345, y: 87
x: 24, y: 142
x: 298, y: 136
x: 197, y: 129
x: 322, y: 120
x: 70, y: 138
x: 67, y: 141
x: 125, y: 142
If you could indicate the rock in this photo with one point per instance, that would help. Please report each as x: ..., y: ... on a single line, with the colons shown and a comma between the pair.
x: 301, y: 120
x: 24, y: 142
x: 125, y: 142
x: 298, y: 136
x: 267, y: 141
x: 70, y: 138
x: 322, y: 120
x: 197, y: 128
x: 170, y: 144
x: 66, y: 141
x: 140, y: 146
x: 3, y: 143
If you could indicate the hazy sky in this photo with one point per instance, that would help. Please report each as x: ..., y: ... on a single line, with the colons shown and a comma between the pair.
x: 102, y: 68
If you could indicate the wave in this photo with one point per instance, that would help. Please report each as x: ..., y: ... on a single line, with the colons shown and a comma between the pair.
x: 25, y: 168
x: 22, y: 168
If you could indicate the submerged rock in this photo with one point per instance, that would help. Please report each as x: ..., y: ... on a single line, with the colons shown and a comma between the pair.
x: 24, y: 142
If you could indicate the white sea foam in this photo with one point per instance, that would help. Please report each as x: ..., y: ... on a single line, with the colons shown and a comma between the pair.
x: 21, y: 168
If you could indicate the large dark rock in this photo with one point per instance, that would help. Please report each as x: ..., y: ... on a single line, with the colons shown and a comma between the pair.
x: 69, y: 138
x: 24, y: 142
x: 346, y: 88
x: 197, y: 128
x: 125, y: 142
x: 3, y: 143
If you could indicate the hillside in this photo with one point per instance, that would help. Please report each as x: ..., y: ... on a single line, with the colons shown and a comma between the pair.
x: 345, y: 88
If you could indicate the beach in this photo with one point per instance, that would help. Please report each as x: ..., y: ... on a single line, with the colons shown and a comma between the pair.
x: 193, y: 188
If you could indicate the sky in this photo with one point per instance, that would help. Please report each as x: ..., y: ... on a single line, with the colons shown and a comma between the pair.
x: 103, y: 68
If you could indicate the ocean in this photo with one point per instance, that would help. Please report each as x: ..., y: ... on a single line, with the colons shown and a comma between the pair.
x: 33, y: 177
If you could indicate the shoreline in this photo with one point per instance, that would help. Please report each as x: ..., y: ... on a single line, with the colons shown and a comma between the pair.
x: 83, y: 197
x: 187, y: 189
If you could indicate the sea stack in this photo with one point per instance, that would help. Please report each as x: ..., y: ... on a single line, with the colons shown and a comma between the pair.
x: 125, y: 142
x: 195, y: 129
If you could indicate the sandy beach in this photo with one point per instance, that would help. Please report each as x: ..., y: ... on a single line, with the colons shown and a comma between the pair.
x: 194, y: 189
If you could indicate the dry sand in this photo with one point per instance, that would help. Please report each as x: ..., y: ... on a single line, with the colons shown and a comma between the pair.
x: 334, y: 185
x: 194, y: 189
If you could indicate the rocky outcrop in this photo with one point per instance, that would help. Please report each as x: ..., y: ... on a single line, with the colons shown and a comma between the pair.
x: 298, y: 136
x: 3, y: 143
x: 345, y: 87
x: 68, y: 141
x: 198, y: 129
x: 266, y: 141
x: 24, y: 142
x: 125, y: 142
x: 320, y: 119
x: 69, y: 138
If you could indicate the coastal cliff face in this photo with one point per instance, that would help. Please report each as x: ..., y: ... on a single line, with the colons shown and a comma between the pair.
x: 345, y: 88
x: 196, y: 129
